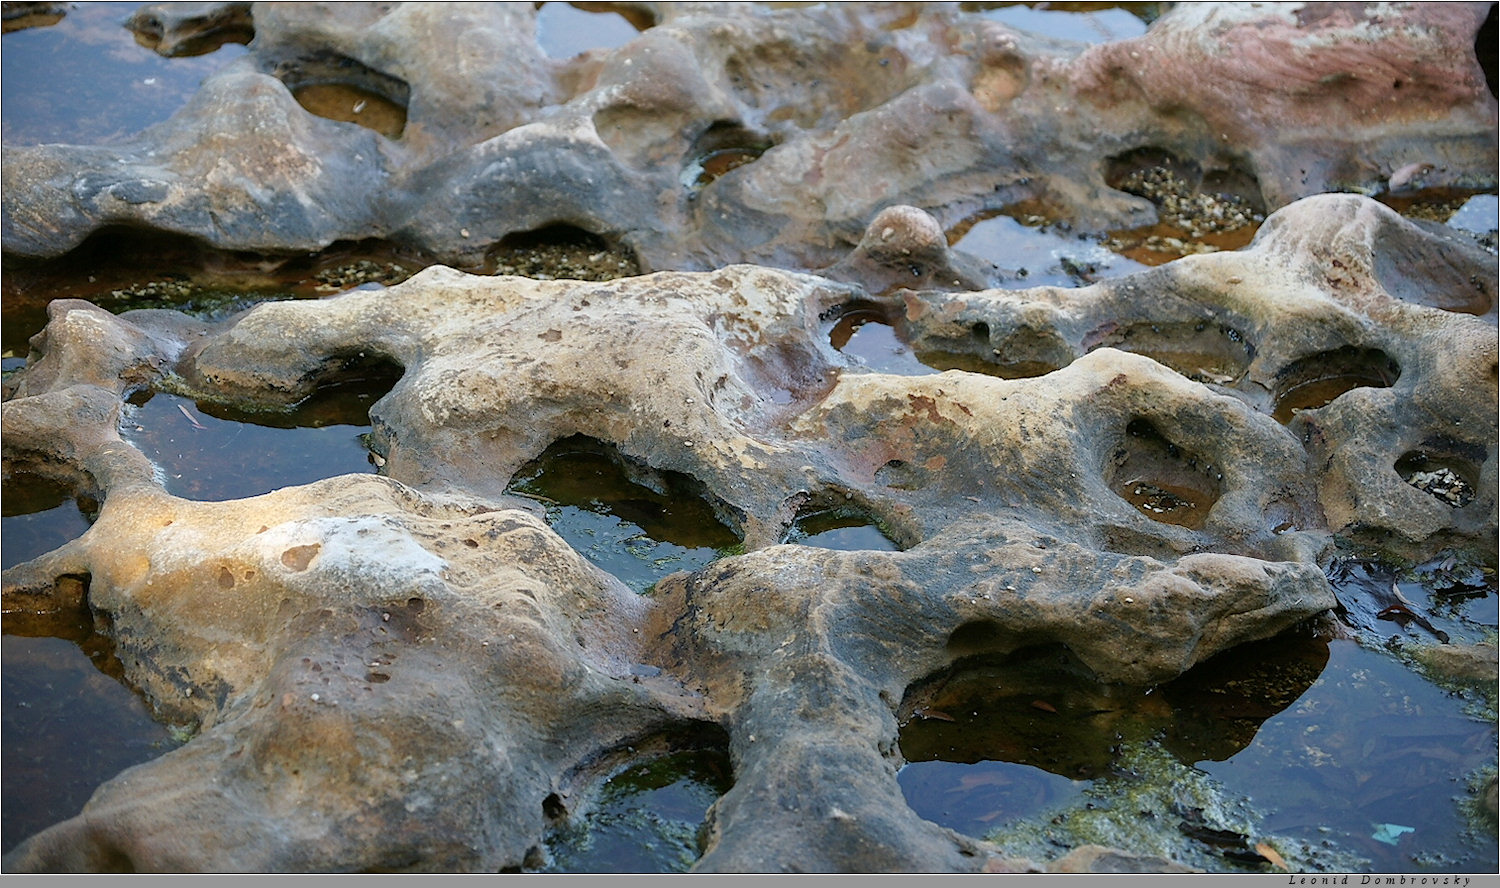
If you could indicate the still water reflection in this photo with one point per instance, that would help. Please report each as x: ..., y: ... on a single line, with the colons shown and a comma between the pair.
x: 85, y: 80
x: 648, y: 818
x: 1335, y: 753
x: 204, y: 457
x: 628, y: 519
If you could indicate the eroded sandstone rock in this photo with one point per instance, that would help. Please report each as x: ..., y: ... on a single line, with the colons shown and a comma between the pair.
x: 727, y: 134
x: 411, y: 671
x: 1384, y: 367
x: 353, y: 650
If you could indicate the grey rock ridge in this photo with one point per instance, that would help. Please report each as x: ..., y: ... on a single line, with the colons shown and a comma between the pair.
x: 725, y: 135
x: 409, y: 670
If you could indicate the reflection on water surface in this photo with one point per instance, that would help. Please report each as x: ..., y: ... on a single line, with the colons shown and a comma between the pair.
x: 647, y: 819
x: 203, y: 457
x: 628, y: 519
x: 86, y: 81
x: 1319, y: 746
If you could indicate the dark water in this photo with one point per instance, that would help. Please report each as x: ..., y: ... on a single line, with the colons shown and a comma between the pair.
x: 65, y: 728
x: 629, y: 520
x: 203, y: 457
x: 1371, y: 743
x: 1338, y: 753
x: 647, y: 818
x: 39, y: 515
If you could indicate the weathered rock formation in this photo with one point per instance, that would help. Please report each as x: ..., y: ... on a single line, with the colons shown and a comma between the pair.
x: 411, y: 671
x: 720, y: 136
x: 311, y: 631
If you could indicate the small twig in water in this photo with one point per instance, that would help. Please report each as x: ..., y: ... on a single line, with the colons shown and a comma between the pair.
x: 196, y: 424
x: 537, y: 496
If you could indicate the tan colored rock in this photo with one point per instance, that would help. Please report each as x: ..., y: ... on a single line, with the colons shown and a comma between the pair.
x: 1462, y: 662
x: 410, y: 671
x: 1337, y: 295
x: 1099, y: 859
x: 373, y: 592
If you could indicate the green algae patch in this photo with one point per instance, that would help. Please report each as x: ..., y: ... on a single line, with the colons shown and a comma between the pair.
x: 1152, y: 804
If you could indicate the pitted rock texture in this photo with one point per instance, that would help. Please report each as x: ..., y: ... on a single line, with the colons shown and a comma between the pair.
x: 400, y: 672
x: 831, y: 112
x: 1337, y: 295
x: 410, y: 671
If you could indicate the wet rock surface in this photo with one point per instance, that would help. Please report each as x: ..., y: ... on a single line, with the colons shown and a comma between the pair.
x: 721, y: 136
x: 411, y: 671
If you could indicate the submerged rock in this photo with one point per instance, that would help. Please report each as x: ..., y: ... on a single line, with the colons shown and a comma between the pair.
x: 1098, y: 859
